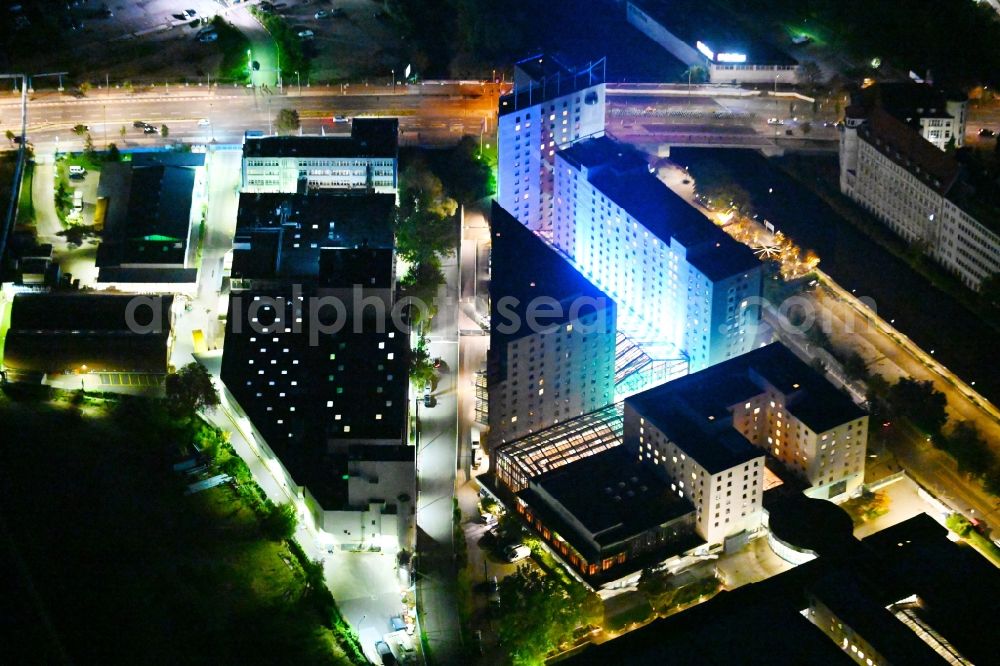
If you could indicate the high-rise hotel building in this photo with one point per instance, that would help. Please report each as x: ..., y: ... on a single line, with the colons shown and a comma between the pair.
x: 552, y: 336
x: 551, y: 107
x: 682, y: 285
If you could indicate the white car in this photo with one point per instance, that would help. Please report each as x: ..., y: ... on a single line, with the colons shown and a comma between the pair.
x: 775, y: 121
x: 516, y: 553
x: 204, y: 122
x: 306, y: 34
x: 75, y: 170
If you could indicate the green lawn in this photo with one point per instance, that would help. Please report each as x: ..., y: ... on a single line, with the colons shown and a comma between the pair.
x: 108, y: 561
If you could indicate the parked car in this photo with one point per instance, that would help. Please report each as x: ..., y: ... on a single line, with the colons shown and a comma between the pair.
x: 150, y: 129
x: 204, y: 122
x: 321, y: 14
x: 488, y: 519
x: 190, y: 13
x: 493, y: 591
x: 987, y: 132
x: 385, y: 653
x: 341, y: 119
x: 306, y: 34
x: 396, y: 623
x: 516, y: 552
x: 208, y: 37
x: 76, y: 170
x: 775, y: 121
x: 801, y: 39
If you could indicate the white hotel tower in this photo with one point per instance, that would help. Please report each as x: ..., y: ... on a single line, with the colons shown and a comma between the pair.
x: 551, y: 107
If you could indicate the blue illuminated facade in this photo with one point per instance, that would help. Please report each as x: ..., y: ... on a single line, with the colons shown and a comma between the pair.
x: 684, y: 287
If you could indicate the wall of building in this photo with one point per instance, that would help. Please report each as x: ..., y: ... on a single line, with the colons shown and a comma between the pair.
x: 727, y: 502
x: 282, y: 174
x: 916, y: 212
x: 555, y: 375
x: 527, y: 140
x: 728, y: 73
x: 855, y: 646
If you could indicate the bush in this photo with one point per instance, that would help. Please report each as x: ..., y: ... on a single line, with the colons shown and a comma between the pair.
x: 279, y: 521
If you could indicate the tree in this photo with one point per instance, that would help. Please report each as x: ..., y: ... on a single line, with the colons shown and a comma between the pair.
x: 812, y: 72
x: 114, y: 155
x: 279, y: 521
x: 164, y: 131
x: 10, y: 135
x: 287, y: 121
x: 855, y: 366
x: 920, y: 403
x: 695, y: 74
x: 965, y: 444
x: 80, y: 130
x: 88, y: 146
x: 421, y: 366
x: 190, y: 389
x: 123, y: 132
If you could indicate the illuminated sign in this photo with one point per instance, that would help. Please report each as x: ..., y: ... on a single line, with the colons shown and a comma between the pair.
x: 732, y: 57
x: 719, y: 57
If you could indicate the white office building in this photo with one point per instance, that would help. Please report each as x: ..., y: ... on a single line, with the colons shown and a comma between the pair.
x: 937, y: 115
x: 551, y: 107
x: 364, y: 160
x: 682, y: 285
x: 917, y: 191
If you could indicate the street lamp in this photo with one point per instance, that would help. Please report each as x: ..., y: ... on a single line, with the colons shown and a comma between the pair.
x: 249, y: 67
x: 298, y: 81
x: 393, y: 80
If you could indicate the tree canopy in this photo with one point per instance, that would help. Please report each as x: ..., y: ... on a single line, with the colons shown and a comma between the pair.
x: 920, y: 402
x: 190, y: 389
x: 287, y: 121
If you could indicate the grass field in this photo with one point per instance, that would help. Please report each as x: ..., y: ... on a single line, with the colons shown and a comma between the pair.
x: 109, y: 562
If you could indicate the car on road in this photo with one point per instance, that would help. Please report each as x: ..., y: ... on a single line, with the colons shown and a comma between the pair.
x: 139, y: 124
x: 306, y: 34
x: 341, y: 119
x: 986, y: 132
x: 385, y: 653
x: 775, y: 121
x: 150, y: 129
x: 321, y: 14
x: 204, y: 122
x: 516, y: 552
x: 493, y: 591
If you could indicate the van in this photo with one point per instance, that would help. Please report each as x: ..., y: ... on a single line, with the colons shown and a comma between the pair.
x: 76, y: 170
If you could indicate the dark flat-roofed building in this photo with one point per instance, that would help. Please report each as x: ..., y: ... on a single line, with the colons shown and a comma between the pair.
x: 88, y: 332
x: 316, y: 359
x: 152, y: 203
x: 607, y: 515
x: 364, y: 159
x: 285, y: 237
x: 551, y: 367
x: 905, y: 595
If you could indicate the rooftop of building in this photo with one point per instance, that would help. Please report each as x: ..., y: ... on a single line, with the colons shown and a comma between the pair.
x: 696, y: 20
x: 525, y: 268
x: 542, y: 77
x: 148, y: 216
x: 957, y: 590
x: 695, y: 411
x: 284, y: 235
x: 310, y: 392
x: 904, y: 146
x: 862, y: 606
x: 611, y: 495
x: 367, y: 267
x: 369, y: 137
x: 55, y: 332
x: 621, y: 173
x: 909, y: 101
